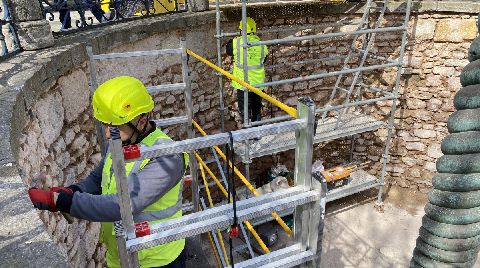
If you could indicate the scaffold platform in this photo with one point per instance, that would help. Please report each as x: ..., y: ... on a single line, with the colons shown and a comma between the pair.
x: 351, y: 123
x: 360, y: 180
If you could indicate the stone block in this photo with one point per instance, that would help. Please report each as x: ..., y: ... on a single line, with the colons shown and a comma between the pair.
x: 425, y: 29
x: 199, y: 5
x: 424, y: 133
x: 434, y: 105
x: 35, y: 35
x: 434, y: 151
x: 455, y: 30
x: 75, y: 94
x: 415, y: 146
x: 26, y: 10
x: 444, y: 71
x: 416, y: 104
x: 50, y: 115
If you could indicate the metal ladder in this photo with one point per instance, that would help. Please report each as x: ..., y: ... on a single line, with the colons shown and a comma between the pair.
x: 307, y: 197
x: 309, y: 202
x: 367, y: 42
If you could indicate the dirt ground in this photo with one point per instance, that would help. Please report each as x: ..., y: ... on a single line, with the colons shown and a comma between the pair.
x: 357, y: 235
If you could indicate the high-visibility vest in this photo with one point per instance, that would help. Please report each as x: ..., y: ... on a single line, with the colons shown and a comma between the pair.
x: 167, y: 207
x: 256, y: 56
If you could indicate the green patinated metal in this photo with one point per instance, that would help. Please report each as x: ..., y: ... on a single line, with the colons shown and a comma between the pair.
x: 456, y: 182
x: 452, y: 215
x: 450, y: 232
x: 454, y: 199
x: 459, y: 164
x: 449, y: 243
x: 420, y: 260
x: 445, y: 255
x: 464, y: 120
x: 453, y: 231
x: 471, y: 74
x: 467, y: 98
x: 474, y: 50
x: 461, y: 143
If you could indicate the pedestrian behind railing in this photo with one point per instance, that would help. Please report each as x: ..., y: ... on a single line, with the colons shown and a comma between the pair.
x: 8, y: 37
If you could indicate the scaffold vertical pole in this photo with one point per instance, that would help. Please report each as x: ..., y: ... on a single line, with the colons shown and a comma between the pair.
x: 244, y: 47
x: 219, y: 63
x: 126, y: 228
x: 391, y: 120
x: 303, y: 169
x: 102, y: 140
x: 188, y: 124
x: 317, y: 221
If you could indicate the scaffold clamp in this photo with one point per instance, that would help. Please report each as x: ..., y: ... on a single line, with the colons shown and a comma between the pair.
x: 131, y: 151
x: 142, y: 229
x: 233, y: 232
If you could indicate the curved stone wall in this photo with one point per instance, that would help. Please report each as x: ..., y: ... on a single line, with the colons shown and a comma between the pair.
x: 46, y: 117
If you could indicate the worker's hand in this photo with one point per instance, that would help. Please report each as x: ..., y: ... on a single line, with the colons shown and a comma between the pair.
x: 59, y: 189
x: 42, y: 199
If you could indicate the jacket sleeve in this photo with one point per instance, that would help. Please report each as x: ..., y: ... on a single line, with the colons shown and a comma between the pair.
x: 147, y: 186
x: 92, y: 184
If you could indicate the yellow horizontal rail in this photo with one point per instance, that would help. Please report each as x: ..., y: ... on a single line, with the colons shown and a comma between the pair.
x: 210, y: 202
x: 289, y: 110
x: 203, y: 165
x: 244, y: 180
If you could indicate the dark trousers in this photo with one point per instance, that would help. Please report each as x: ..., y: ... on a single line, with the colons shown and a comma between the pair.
x: 254, y: 105
x: 179, y: 262
x: 65, y: 18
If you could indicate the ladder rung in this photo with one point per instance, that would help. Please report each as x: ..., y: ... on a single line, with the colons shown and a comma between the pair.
x: 343, y: 89
x: 138, y: 53
x: 202, y: 222
x: 292, y: 261
x: 166, y: 88
x: 220, y: 210
x: 171, y: 121
x: 274, y: 256
x: 218, y: 139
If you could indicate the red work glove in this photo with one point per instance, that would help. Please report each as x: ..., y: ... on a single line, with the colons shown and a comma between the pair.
x: 59, y: 189
x: 42, y: 199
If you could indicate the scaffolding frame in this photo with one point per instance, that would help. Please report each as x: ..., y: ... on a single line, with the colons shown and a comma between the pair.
x: 366, y: 32
x: 128, y: 242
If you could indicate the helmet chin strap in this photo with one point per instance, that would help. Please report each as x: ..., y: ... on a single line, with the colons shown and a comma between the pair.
x: 140, y: 134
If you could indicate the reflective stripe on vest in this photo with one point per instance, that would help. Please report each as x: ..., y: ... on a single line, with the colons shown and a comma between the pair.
x: 256, y: 56
x: 163, y: 213
x: 165, y: 208
x: 157, y: 214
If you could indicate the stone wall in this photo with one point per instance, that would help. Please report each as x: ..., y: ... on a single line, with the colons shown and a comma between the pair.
x: 48, y: 122
x: 435, y: 54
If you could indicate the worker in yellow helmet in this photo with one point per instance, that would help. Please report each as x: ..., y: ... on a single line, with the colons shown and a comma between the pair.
x: 256, y: 57
x: 155, y: 184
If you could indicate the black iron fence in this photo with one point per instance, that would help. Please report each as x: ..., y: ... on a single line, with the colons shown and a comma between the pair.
x: 77, y: 14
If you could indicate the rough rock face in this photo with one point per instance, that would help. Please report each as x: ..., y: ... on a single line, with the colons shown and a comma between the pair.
x: 60, y: 140
x: 450, y: 235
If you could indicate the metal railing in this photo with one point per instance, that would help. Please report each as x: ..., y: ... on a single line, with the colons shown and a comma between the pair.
x: 80, y: 14
x: 8, y: 37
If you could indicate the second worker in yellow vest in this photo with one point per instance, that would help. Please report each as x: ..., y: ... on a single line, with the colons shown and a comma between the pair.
x: 256, y: 57
x: 155, y: 184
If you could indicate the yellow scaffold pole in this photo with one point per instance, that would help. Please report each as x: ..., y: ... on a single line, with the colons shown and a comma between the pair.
x: 245, y: 181
x: 220, y: 186
x: 289, y: 110
x: 210, y: 202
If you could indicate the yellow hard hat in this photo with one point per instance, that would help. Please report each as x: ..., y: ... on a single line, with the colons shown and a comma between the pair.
x: 121, y: 99
x: 251, y: 26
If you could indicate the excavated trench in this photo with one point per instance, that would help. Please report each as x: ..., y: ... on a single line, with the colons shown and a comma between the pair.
x: 55, y: 129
